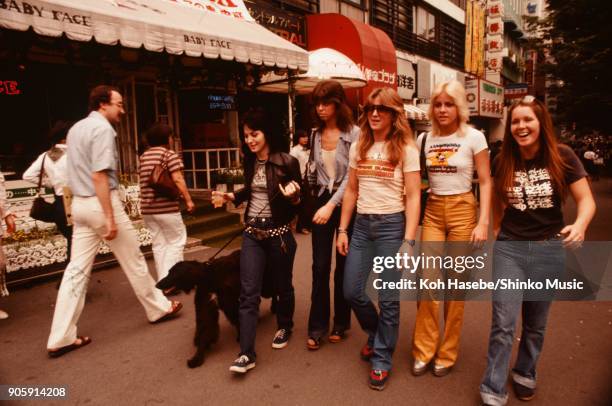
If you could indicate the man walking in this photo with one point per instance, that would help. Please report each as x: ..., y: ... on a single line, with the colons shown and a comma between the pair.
x: 97, y: 213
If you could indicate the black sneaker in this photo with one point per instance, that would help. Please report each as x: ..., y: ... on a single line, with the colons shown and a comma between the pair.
x: 242, y: 364
x: 523, y: 392
x: 378, y: 379
x: 281, y: 338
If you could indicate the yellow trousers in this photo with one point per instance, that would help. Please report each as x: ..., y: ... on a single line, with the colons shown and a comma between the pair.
x: 447, y: 218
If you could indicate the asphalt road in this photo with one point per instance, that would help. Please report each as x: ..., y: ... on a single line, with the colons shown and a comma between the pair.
x: 131, y: 362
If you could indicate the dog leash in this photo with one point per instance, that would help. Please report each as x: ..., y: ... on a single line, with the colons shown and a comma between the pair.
x: 240, y: 232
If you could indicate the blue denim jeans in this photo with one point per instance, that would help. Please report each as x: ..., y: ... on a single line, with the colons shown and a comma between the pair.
x: 255, y: 258
x: 374, y: 235
x: 521, y: 260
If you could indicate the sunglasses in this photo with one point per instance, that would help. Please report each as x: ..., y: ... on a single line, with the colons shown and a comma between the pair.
x: 380, y: 108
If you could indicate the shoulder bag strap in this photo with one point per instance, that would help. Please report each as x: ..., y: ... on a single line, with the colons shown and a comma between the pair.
x: 313, y: 132
x: 42, y: 171
x: 422, y: 158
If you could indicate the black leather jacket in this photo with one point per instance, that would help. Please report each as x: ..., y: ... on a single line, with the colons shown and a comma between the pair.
x: 281, y: 168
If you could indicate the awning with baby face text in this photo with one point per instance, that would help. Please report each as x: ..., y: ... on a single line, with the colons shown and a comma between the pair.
x: 210, y: 28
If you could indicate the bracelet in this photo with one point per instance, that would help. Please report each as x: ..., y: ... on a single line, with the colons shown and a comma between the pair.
x: 342, y: 231
x: 409, y: 242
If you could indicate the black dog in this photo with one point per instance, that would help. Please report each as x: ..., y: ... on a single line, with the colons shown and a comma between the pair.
x: 220, y: 278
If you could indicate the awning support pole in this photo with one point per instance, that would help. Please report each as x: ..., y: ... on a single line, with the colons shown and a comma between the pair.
x: 291, y: 105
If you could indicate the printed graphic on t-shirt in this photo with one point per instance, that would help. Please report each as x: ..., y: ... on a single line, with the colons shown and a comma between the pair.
x: 532, y: 190
x: 375, y: 168
x: 259, y: 179
x: 438, y: 156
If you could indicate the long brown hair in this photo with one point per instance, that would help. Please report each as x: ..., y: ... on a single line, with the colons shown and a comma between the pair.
x: 548, y: 156
x: 400, y: 134
x: 331, y: 91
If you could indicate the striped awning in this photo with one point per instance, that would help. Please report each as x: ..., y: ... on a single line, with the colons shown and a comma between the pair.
x: 213, y: 29
x: 415, y: 113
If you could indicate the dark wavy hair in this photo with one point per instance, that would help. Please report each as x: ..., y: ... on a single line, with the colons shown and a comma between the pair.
x: 258, y: 119
x: 59, y: 131
x: 331, y: 91
x: 157, y: 135
x: 99, y: 95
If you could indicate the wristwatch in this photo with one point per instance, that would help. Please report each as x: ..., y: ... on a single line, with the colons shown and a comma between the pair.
x: 409, y: 242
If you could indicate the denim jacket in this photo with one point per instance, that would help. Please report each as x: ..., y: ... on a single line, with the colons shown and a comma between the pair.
x: 317, y: 171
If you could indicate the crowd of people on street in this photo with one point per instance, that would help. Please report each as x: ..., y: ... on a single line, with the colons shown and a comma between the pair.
x: 357, y: 189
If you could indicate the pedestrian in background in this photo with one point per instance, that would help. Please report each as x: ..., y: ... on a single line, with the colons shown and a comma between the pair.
x: 98, y: 213
x: 272, y: 192
x: 9, y: 220
x: 161, y: 214
x: 452, y: 151
x: 333, y: 137
x: 384, y: 183
x: 301, y: 152
x: 532, y: 175
x: 54, y: 176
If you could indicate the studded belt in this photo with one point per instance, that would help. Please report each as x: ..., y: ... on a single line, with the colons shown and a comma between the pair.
x: 263, y: 234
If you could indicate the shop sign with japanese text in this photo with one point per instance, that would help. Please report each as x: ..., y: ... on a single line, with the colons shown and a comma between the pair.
x: 406, y: 79
x: 485, y: 99
x: 289, y: 26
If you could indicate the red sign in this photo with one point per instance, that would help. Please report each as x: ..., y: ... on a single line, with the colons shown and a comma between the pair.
x: 9, y: 87
x: 369, y: 47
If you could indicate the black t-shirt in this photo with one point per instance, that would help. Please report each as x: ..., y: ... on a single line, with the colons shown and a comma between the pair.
x: 534, y: 209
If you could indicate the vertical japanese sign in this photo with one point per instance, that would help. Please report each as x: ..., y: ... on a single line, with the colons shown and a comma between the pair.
x: 494, y: 40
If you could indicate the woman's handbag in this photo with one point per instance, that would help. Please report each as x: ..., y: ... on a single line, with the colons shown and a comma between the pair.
x: 161, y: 181
x: 41, y: 209
x: 424, y: 180
x: 309, y: 192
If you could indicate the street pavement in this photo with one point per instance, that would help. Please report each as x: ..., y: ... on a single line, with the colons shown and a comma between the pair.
x: 131, y: 362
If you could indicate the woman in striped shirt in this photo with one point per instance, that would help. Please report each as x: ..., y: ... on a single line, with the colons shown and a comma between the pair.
x: 161, y: 214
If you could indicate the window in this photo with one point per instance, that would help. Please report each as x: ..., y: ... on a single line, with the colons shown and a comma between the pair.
x: 424, y: 24
x: 459, y: 3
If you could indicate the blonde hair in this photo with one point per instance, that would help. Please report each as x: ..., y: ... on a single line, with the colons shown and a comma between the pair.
x: 400, y: 134
x: 455, y: 90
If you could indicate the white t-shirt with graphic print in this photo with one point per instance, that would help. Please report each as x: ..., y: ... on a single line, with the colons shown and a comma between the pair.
x: 381, y: 185
x: 450, y: 160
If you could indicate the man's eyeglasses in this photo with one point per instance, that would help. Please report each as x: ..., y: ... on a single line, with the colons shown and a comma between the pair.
x: 380, y: 108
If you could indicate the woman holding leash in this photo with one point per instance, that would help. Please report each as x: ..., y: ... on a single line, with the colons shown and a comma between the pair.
x: 533, y: 174
x: 272, y: 193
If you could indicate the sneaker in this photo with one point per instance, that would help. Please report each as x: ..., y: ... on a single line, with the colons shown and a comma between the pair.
x: 523, y: 392
x: 281, y: 338
x: 419, y: 367
x: 378, y: 379
x: 242, y: 364
x: 366, y: 352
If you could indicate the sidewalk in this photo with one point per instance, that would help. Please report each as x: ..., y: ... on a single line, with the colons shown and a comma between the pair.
x: 133, y: 362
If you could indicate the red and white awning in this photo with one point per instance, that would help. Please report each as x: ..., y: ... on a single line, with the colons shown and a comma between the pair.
x: 415, y: 113
x: 212, y: 28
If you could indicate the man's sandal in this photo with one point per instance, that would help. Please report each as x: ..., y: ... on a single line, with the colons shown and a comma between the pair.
x: 74, y: 346
x: 174, y: 309
x: 313, y: 343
